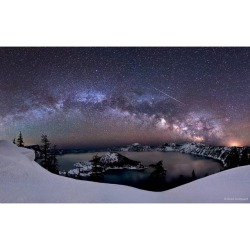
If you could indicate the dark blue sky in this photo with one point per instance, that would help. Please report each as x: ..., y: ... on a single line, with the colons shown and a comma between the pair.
x: 94, y: 97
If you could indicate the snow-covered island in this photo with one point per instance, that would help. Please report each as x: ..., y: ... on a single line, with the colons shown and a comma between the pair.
x: 23, y: 180
x: 101, y: 164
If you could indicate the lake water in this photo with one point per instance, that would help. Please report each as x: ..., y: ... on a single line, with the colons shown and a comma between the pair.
x: 179, y: 169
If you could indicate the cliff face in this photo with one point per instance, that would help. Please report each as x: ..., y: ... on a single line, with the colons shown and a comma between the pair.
x: 229, y: 156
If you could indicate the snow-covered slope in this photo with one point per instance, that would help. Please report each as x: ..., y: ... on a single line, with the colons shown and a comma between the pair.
x: 23, y: 180
x: 109, y: 158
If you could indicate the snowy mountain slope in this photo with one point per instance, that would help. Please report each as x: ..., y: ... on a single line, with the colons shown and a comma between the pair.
x: 23, y: 180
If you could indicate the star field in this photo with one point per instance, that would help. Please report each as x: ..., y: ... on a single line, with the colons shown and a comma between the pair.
x: 95, y: 97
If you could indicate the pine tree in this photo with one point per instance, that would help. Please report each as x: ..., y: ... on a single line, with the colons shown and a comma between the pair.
x: 233, y: 158
x: 244, y: 157
x: 20, y: 142
x: 49, y: 161
x: 45, y: 150
x: 53, y: 166
x: 159, y: 169
x: 14, y: 141
x: 194, y: 175
x: 95, y: 161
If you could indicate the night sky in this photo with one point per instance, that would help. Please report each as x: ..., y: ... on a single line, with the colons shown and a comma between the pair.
x: 98, y: 97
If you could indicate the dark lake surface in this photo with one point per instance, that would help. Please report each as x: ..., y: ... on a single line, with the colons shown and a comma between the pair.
x: 179, y: 169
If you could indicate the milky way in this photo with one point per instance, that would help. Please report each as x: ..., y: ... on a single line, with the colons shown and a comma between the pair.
x: 95, y: 97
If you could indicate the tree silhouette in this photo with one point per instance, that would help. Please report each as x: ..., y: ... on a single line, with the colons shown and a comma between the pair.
x: 159, y: 169
x: 45, y: 150
x: 52, y: 162
x: 96, y: 170
x: 233, y: 158
x: 49, y: 161
x: 194, y: 175
x: 20, y: 142
x: 244, y: 157
x: 14, y: 140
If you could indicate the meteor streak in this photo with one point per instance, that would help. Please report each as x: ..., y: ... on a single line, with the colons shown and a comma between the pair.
x: 167, y: 94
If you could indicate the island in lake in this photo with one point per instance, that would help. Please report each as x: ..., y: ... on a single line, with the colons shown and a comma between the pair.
x: 100, y: 164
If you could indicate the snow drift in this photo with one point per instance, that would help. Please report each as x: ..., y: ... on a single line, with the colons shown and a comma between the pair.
x: 23, y: 180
